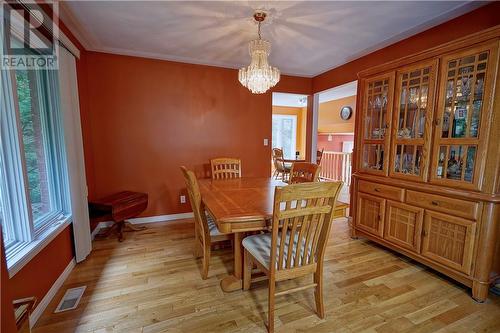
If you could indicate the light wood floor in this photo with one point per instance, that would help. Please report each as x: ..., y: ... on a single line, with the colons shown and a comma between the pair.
x: 151, y: 283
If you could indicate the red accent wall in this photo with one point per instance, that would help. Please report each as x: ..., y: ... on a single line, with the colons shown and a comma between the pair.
x: 149, y: 117
x: 474, y: 21
x: 335, y: 144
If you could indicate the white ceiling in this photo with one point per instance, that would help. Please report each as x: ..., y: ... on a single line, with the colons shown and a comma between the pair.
x: 308, y: 37
x: 345, y: 90
x: 293, y: 100
x: 297, y: 100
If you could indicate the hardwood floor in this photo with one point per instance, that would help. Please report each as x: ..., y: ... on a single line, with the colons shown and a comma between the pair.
x: 151, y: 283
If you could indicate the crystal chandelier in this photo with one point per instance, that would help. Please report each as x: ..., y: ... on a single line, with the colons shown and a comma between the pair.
x: 259, y: 76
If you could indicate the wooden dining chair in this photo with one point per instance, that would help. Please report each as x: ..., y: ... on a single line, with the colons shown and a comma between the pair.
x: 301, y: 223
x: 225, y: 168
x: 281, y: 169
x: 304, y: 172
x: 205, y: 230
x: 319, y: 156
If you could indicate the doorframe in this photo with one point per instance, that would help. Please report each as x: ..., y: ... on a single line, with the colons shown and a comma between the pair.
x: 314, y: 132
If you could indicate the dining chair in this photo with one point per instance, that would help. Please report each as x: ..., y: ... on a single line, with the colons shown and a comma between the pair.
x: 304, y: 172
x: 296, y: 246
x: 205, y: 230
x: 281, y: 169
x: 225, y: 168
x: 319, y: 156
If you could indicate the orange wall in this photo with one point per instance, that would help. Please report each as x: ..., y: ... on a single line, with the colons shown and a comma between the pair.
x: 329, y: 120
x: 7, y: 320
x: 148, y: 117
x: 477, y: 20
x: 301, y: 113
x: 36, y: 278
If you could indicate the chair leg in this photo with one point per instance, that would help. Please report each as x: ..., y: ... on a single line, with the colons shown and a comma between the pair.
x: 206, y: 262
x: 270, y: 320
x: 318, y: 293
x: 247, y: 270
x: 197, y: 250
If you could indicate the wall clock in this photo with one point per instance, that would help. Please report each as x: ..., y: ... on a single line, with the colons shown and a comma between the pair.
x: 345, y: 112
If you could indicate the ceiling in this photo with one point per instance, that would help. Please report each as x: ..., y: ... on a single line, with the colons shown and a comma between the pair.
x: 291, y: 100
x: 345, y: 90
x: 308, y: 37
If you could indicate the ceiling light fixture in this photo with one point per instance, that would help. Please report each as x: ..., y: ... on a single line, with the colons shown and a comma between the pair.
x: 259, y: 76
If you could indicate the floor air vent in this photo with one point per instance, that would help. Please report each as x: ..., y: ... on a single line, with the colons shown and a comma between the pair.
x: 70, y: 299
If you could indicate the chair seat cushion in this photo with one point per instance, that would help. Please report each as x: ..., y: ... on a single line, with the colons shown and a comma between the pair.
x: 259, y: 247
x: 212, y: 227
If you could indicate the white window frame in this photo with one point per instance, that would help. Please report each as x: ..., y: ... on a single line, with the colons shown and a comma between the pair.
x: 24, y: 238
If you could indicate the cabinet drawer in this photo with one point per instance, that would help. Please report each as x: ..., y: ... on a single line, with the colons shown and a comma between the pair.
x: 384, y: 191
x: 457, y: 207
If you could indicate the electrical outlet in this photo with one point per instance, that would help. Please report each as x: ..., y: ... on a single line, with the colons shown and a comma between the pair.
x: 266, y: 142
x: 183, y: 199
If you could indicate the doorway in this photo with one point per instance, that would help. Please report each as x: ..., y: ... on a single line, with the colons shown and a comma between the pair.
x: 334, y: 116
x: 289, y: 124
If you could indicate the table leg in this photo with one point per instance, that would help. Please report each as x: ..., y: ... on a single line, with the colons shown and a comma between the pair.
x: 234, y: 282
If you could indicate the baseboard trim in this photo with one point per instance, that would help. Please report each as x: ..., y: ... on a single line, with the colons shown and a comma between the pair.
x: 161, y: 218
x: 35, y: 315
x: 142, y: 220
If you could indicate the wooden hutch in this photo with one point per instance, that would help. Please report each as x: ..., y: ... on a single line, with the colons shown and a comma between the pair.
x: 426, y: 178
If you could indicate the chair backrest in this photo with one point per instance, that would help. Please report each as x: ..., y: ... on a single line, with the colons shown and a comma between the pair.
x: 278, y: 161
x: 319, y: 156
x: 304, y: 172
x: 196, y: 204
x: 225, y: 168
x: 278, y: 152
x: 302, y: 218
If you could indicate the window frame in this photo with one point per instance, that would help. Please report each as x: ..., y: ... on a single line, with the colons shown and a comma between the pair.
x: 26, y: 236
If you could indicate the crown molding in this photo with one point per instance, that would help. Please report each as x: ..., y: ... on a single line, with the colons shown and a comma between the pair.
x: 72, y: 23
x: 186, y: 60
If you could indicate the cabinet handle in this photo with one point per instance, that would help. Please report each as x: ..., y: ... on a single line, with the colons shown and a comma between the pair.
x: 435, y: 203
x: 424, y: 233
x: 376, y: 189
x: 437, y: 122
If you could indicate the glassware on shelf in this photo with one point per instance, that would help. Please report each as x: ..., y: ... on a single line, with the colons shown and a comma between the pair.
x: 442, y: 154
x: 413, y: 103
x: 454, y: 165
x: 373, y: 156
x: 407, y: 159
x: 474, y: 124
x: 469, y: 163
x: 459, y: 122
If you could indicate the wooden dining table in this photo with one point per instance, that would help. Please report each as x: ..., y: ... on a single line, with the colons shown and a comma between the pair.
x: 243, y: 205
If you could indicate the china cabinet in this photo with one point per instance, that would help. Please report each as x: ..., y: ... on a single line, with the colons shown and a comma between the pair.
x: 426, y: 179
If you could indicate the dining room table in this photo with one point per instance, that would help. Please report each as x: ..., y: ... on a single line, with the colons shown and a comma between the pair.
x: 241, y: 206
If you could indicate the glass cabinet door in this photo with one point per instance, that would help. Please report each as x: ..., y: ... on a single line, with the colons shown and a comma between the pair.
x: 412, y: 120
x: 376, y: 123
x: 461, y: 122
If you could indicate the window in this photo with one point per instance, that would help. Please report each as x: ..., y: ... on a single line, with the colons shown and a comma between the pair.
x: 284, y: 134
x: 34, y: 195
